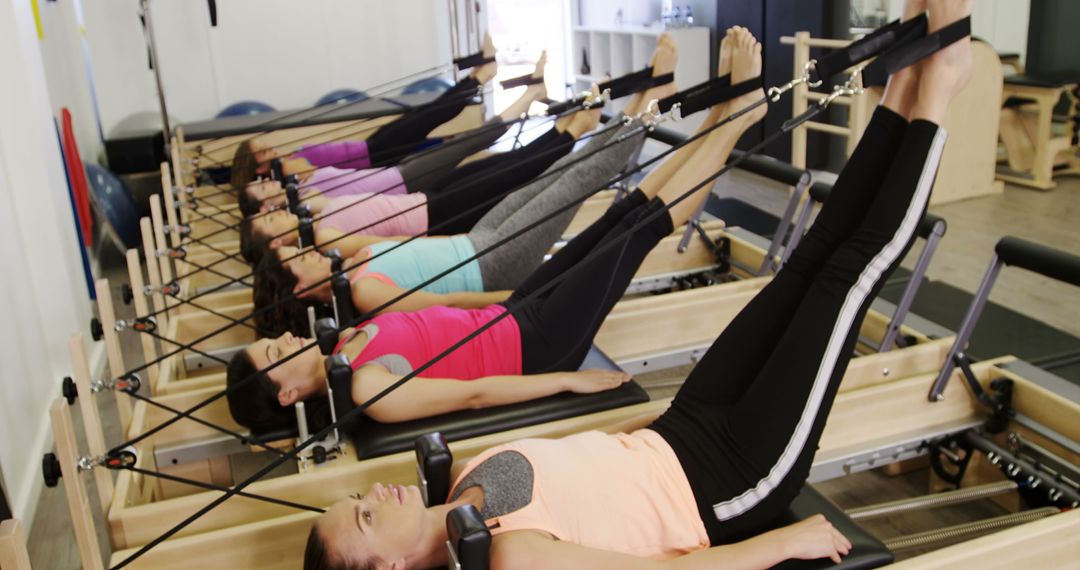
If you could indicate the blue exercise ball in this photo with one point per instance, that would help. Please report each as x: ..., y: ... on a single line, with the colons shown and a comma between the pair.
x: 342, y: 96
x: 112, y: 201
x: 244, y: 108
x: 427, y: 85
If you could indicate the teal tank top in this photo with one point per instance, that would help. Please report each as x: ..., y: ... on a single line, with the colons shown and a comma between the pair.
x: 419, y: 260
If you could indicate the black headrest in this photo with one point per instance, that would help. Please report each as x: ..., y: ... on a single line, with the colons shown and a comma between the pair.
x: 468, y: 538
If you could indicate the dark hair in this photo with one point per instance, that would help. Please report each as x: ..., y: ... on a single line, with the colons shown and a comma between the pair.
x: 255, y: 404
x: 252, y: 247
x: 317, y: 557
x: 248, y: 206
x: 243, y: 165
x: 274, y: 282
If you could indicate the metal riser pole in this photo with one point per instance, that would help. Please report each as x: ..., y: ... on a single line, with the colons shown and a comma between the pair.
x: 936, y: 500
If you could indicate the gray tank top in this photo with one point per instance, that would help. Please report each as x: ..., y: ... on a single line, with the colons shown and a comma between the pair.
x: 507, y: 481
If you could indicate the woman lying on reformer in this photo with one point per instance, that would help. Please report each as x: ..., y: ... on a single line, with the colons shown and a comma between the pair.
x: 387, y: 145
x: 394, y: 268
x: 423, y: 201
x: 700, y: 486
x: 524, y: 357
x: 289, y: 280
x: 326, y: 170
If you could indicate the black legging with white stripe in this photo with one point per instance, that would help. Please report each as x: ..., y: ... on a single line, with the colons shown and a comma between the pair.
x: 746, y: 424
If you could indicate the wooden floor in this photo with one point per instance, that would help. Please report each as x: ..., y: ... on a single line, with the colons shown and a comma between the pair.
x: 1052, y: 218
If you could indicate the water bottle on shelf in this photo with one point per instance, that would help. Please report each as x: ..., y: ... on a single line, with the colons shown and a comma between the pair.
x: 689, y: 16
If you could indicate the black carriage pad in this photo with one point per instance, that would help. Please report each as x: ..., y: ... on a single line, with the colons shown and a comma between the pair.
x: 866, y: 551
x: 373, y: 439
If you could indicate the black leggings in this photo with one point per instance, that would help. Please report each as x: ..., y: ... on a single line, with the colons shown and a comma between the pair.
x: 746, y: 424
x: 558, y: 328
x: 482, y: 181
x: 391, y: 142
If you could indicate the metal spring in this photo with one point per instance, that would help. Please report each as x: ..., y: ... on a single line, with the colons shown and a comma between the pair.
x: 932, y: 501
x: 966, y: 531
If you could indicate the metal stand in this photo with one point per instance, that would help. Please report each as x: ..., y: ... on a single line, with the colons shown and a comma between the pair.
x: 148, y: 35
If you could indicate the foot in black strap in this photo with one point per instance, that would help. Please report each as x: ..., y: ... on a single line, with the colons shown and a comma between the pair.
x: 528, y: 80
x: 948, y: 66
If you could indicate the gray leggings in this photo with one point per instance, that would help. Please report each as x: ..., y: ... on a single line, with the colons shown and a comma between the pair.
x: 508, y: 265
x: 428, y: 168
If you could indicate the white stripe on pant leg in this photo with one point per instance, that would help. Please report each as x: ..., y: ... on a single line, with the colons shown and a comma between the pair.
x: 855, y: 298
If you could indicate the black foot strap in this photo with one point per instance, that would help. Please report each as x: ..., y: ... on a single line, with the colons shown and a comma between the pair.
x: 475, y: 60
x: 705, y: 95
x: 520, y: 81
x: 635, y: 82
x: 913, y: 50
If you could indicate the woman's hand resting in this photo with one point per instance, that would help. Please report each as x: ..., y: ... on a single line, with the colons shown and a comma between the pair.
x: 813, y: 538
x: 595, y: 380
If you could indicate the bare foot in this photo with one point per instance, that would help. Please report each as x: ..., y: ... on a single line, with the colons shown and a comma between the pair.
x: 485, y: 72
x: 538, y: 91
x: 724, y: 67
x: 585, y: 120
x: 665, y: 56
x: 903, y: 86
x: 745, y: 65
x: 945, y: 73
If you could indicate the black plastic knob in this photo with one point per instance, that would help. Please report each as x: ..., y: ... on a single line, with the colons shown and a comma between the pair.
x: 97, y: 332
x: 318, y: 454
x: 126, y: 294
x: 50, y: 469
x: 69, y: 390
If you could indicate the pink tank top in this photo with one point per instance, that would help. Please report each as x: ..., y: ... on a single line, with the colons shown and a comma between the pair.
x: 333, y: 182
x: 378, y: 215
x: 623, y: 492
x: 401, y: 342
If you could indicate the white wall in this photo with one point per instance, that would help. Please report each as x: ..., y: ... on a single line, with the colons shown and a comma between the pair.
x: 286, y: 53
x: 42, y: 293
x: 66, y: 73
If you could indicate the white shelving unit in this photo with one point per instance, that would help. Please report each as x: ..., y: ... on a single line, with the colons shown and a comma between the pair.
x: 616, y: 51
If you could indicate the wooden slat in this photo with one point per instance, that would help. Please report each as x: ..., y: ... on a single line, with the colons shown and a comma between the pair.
x: 67, y: 451
x: 13, y: 555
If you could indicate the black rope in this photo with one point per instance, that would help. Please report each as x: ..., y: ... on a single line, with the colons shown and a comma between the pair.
x: 188, y: 346
x: 460, y: 138
x: 510, y: 310
x: 482, y: 176
x: 211, y: 487
x: 243, y: 438
x: 363, y: 123
x: 440, y: 275
x: 456, y: 140
x: 330, y: 107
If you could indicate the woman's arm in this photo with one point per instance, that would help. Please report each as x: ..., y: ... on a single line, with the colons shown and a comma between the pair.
x: 808, y: 539
x: 426, y: 397
x: 348, y: 245
x: 369, y: 293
